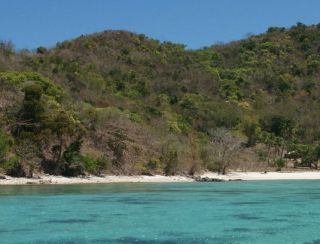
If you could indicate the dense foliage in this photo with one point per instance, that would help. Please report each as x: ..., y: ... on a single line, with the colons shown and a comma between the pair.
x: 123, y: 103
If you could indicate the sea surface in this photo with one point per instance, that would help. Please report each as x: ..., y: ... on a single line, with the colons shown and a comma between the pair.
x: 226, y: 212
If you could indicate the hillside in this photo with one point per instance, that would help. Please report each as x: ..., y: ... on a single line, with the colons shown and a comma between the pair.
x: 122, y: 103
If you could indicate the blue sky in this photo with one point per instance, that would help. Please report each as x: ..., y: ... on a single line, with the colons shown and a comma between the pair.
x: 196, y: 23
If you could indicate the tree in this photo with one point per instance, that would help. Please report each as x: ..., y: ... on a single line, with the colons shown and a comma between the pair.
x: 169, y: 158
x: 66, y: 136
x: 28, y: 151
x: 279, y: 125
x: 252, y: 131
x: 29, y: 123
x: 118, y: 146
x: 5, y: 145
x: 269, y: 140
x: 6, y: 48
x: 72, y: 165
x: 195, y: 165
x: 31, y: 114
x: 62, y: 127
x: 309, y: 154
x: 281, y: 131
x: 226, y: 146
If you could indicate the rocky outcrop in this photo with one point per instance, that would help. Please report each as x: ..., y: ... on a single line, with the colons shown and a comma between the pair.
x: 207, y: 179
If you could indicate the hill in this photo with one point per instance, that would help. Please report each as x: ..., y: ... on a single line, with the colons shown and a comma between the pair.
x: 122, y: 103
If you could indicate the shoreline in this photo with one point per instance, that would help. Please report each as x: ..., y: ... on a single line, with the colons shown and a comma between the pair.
x: 272, y: 175
x: 61, y: 180
x: 232, y: 176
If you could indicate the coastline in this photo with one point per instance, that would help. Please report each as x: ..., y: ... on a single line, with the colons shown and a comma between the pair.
x: 61, y: 180
x: 232, y: 176
x: 281, y: 175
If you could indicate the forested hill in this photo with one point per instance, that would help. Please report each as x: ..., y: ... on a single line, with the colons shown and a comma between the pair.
x: 122, y: 103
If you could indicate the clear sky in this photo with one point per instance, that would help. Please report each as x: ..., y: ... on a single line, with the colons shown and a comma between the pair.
x: 196, y: 23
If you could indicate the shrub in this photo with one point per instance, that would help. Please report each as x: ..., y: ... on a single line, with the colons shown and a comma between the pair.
x: 194, y: 168
x: 170, y: 160
x: 154, y: 165
x: 117, y: 144
x: 41, y: 50
x: 280, y: 164
x: 135, y: 117
x: 14, y: 168
x: 94, y: 166
x: 5, y: 145
x: 213, y: 166
x: 141, y: 168
x: 20, y: 79
x: 72, y: 165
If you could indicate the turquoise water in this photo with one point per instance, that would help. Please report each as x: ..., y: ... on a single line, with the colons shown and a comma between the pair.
x: 228, y: 212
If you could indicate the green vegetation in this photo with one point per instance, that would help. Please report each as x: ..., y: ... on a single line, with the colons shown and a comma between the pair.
x: 117, y: 102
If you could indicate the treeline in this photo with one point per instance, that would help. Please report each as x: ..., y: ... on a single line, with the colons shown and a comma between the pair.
x: 121, y: 103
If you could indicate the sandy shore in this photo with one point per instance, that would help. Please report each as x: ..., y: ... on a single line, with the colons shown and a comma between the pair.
x: 307, y: 175
x: 47, y: 179
x: 92, y: 179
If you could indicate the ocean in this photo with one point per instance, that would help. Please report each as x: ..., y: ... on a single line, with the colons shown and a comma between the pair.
x: 220, y: 212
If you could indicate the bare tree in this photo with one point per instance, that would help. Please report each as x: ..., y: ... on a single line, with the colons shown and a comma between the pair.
x: 226, y: 146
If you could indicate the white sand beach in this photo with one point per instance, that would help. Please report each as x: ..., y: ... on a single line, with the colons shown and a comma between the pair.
x: 306, y: 175
x: 49, y: 179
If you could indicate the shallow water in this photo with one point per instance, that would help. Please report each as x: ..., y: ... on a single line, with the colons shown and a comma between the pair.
x: 227, y: 212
